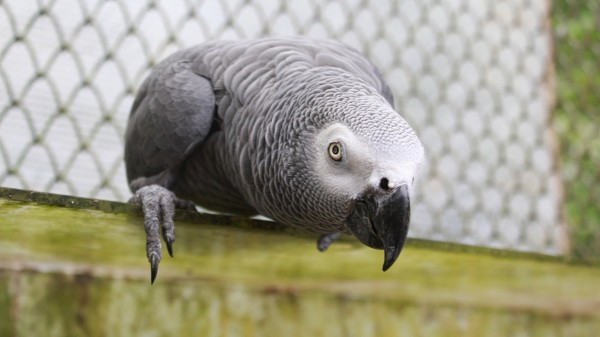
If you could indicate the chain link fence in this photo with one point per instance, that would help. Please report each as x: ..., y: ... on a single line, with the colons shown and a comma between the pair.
x: 474, y: 78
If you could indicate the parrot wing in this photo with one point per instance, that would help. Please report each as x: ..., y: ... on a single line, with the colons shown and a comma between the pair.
x: 173, y: 112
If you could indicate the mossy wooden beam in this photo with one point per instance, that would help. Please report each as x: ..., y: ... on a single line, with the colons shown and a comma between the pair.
x: 77, y: 267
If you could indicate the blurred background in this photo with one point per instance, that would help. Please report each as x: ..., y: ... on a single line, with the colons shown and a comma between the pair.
x: 504, y: 95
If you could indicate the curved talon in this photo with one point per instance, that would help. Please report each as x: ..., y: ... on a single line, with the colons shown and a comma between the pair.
x: 169, y: 242
x: 154, y: 261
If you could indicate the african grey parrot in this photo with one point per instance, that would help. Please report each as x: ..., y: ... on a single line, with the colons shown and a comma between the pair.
x: 299, y: 130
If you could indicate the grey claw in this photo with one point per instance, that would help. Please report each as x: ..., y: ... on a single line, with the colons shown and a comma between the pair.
x: 154, y: 260
x: 169, y: 241
x: 326, y: 240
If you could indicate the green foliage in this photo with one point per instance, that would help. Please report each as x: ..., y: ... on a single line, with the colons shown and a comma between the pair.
x: 577, y: 46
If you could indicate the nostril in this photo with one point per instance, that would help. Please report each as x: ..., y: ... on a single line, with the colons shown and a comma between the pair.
x: 384, y: 184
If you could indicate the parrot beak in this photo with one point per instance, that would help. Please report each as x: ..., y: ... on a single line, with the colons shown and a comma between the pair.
x: 381, y: 222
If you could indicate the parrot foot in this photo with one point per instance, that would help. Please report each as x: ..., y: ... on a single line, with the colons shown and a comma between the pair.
x: 326, y: 240
x: 158, y: 205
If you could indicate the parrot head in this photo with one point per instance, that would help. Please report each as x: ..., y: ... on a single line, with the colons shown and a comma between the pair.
x: 371, y: 163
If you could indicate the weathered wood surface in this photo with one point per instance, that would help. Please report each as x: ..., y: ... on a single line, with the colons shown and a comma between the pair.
x: 77, y: 267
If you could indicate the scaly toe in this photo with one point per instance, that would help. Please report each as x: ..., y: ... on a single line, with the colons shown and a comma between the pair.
x: 326, y: 240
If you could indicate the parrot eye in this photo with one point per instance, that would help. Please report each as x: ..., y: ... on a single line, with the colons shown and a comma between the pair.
x: 335, y: 151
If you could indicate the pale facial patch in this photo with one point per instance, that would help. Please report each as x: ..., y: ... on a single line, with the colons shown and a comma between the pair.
x: 362, y: 165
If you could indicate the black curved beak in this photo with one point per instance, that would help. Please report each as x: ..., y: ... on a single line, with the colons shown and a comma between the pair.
x: 381, y: 221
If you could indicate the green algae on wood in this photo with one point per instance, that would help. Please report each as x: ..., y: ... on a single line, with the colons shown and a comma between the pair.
x: 88, y: 306
x: 83, y: 272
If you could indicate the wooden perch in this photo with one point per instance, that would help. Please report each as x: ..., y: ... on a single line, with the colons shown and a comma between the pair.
x: 77, y: 267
